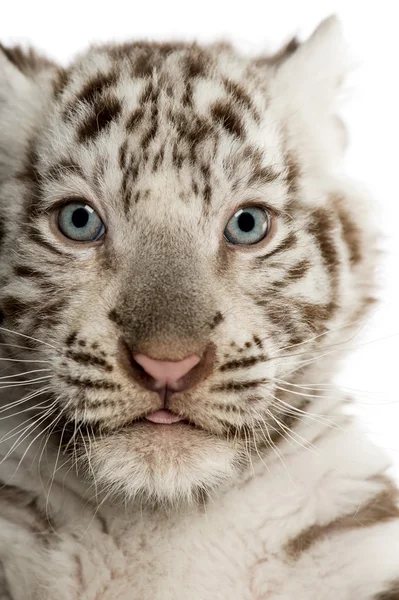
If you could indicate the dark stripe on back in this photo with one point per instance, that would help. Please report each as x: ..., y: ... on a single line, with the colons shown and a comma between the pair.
x: 391, y: 592
x: 380, y: 509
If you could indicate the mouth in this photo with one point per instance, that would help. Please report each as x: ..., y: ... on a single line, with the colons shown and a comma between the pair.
x: 163, y: 417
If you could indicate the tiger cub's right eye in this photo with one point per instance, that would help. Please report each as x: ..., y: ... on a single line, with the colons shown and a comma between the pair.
x: 80, y: 222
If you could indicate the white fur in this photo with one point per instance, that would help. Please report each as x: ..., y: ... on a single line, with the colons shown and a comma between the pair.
x: 64, y: 537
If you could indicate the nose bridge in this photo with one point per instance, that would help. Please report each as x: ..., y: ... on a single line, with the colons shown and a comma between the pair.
x: 167, y: 300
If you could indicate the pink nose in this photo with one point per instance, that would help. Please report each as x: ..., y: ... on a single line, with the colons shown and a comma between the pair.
x: 166, y: 372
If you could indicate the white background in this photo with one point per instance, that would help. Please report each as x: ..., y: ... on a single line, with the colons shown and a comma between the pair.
x: 371, y: 29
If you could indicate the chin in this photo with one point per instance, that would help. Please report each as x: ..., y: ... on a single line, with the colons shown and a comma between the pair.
x: 163, y: 465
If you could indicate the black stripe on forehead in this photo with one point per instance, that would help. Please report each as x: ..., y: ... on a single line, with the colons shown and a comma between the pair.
x: 103, y: 112
x: 149, y: 94
x: 91, y: 91
x: 151, y: 132
x: 196, y: 63
x: 248, y: 166
x: 135, y: 119
x: 96, y: 86
x: 239, y: 95
x: 135, y: 50
x: 224, y: 113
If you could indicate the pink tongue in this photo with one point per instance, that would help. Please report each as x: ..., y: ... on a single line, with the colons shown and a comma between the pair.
x: 165, y: 417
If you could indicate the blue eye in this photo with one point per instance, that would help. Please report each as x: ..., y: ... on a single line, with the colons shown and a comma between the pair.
x: 249, y: 225
x: 80, y: 222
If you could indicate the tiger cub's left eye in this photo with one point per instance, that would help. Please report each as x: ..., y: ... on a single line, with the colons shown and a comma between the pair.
x: 248, y: 226
x: 80, y: 222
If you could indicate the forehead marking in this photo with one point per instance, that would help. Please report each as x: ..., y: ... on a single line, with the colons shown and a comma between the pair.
x: 103, y: 111
x: 225, y: 114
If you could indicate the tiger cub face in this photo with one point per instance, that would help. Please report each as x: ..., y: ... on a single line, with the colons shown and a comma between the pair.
x: 177, y: 242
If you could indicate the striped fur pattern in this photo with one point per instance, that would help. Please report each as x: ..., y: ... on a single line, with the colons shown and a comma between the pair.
x: 267, y: 489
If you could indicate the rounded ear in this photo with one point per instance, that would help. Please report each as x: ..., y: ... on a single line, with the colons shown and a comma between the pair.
x: 25, y: 89
x: 305, y: 91
x: 318, y: 66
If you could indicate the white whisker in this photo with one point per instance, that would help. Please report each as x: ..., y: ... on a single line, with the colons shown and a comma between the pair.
x: 20, y: 360
x: 24, y: 383
x: 24, y: 373
x: 27, y: 431
x: 30, y: 408
x: 24, y: 399
x: 27, y: 337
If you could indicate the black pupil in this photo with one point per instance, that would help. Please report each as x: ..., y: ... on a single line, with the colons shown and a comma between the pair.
x: 80, y: 217
x: 246, y: 222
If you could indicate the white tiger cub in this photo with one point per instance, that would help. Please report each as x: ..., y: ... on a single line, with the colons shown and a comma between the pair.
x: 181, y: 259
